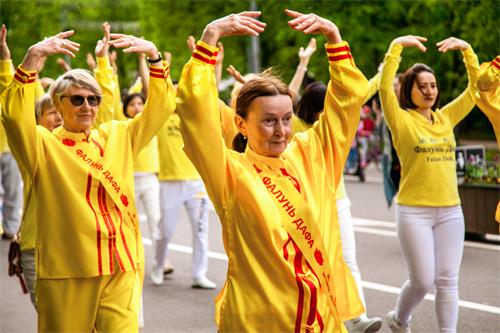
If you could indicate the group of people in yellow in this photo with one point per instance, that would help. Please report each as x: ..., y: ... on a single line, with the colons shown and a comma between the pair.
x: 276, y: 193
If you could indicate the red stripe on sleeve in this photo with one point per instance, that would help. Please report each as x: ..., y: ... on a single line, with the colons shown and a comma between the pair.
x: 496, y: 63
x: 340, y: 57
x: 158, y: 76
x: 156, y: 70
x: 338, y: 49
x: 199, y: 57
x: 206, y: 51
x: 98, y: 227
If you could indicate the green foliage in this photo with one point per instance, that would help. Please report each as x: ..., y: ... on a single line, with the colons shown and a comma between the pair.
x: 369, y: 26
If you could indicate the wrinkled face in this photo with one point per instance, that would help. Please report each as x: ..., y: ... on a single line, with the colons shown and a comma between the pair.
x: 424, y: 91
x: 50, y: 119
x: 268, y: 125
x: 135, y: 107
x: 78, y: 118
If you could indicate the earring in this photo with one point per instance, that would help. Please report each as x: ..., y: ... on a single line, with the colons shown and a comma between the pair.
x: 244, y: 138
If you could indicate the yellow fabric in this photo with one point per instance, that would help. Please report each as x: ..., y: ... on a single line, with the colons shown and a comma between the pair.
x: 426, y: 151
x: 489, y: 100
x: 136, y: 87
x: 39, y: 92
x: 373, y: 85
x: 264, y: 265
x: 148, y: 161
x: 117, y: 95
x: 229, y: 129
x: 77, y: 181
x: 174, y: 163
x: 95, y: 304
x: 104, y: 76
x: 299, y: 125
x: 6, y: 76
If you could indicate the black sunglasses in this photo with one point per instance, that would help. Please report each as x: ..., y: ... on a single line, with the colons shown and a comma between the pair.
x: 77, y: 100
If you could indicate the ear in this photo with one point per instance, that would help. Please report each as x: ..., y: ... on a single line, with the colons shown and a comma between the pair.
x: 240, y: 124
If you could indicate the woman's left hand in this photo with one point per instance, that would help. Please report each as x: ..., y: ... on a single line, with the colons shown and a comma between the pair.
x: 451, y: 44
x: 314, y: 24
x: 133, y: 44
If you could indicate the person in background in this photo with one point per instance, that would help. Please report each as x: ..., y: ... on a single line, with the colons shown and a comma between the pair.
x: 429, y: 218
x: 275, y: 199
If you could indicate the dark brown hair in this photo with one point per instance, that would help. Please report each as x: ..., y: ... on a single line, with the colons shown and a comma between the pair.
x: 407, y: 81
x: 265, y: 84
x: 129, y: 99
x: 312, y: 102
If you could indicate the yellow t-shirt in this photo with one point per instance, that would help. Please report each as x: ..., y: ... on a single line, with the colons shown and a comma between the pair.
x: 268, y: 276
x: 147, y: 161
x: 83, y: 186
x: 426, y: 151
x: 174, y: 164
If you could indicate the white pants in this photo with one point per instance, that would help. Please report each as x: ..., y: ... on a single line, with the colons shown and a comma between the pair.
x: 191, y: 194
x: 11, y: 187
x: 147, y: 198
x: 432, y: 241
x: 349, y: 242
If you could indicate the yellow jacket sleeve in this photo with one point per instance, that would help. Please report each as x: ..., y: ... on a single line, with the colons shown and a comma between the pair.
x: 6, y: 74
x: 117, y: 96
x: 488, y: 95
x: 345, y: 95
x: 159, y: 106
x: 39, y: 92
x: 18, y: 118
x: 457, y: 109
x: 229, y: 129
x: 104, y: 77
x: 198, y: 108
x: 373, y: 85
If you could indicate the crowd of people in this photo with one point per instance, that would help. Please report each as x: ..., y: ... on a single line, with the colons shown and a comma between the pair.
x: 270, y: 162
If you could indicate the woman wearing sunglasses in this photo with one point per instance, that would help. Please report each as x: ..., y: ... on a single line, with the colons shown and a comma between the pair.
x: 89, y: 253
x: 276, y: 198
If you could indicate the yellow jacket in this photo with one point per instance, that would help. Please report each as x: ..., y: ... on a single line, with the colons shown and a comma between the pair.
x: 426, y: 151
x: 83, y: 187
x: 488, y: 96
x: 269, y: 285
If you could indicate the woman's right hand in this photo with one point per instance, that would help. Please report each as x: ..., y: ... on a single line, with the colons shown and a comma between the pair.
x: 102, y: 47
x: 244, y: 23
x: 58, y: 44
x: 411, y: 41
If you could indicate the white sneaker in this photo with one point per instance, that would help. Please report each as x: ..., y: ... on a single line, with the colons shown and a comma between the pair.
x: 394, y: 325
x: 156, y: 276
x: 364, y: 324
x: 203, y: 283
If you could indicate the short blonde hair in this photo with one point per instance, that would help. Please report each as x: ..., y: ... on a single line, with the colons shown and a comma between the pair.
x: 43, y: 104
x: 76, y: 77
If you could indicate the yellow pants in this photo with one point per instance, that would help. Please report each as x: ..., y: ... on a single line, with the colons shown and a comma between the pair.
x: 95, y: 304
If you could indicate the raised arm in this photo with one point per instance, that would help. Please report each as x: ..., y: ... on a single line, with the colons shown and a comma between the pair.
x: 198, y: 101
x: 488, y: 97
x: 388, y: 99
x: 347, y: 89
x: 457, y: 109
x: 104, y: 76
x: 161, y: 100
x: 300, y: 72
x: 6, y: 68
x: 18, y: 116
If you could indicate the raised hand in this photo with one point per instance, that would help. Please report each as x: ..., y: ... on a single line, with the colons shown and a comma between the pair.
x: 191, y: 43
x: 244, y: 23
x: 58, y: 44
x: 314, y: 24
x: 102, y: 46
x: 168, y: 57
x: 236, y: 74
x: 305, y: 54
x: 4, y: 48
x: 63, y: 64
x: 90, y: 61
x: 412, y: 41
x: 132, y: 44
x: 451, y: 44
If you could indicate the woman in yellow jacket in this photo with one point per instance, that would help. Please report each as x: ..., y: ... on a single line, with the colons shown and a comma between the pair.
x: 89, y: 257
x: 275, y: 198
x: 430, y: 222
x: 488, y: 100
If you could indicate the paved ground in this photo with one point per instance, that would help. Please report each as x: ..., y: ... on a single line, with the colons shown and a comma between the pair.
x: 175, y: 307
